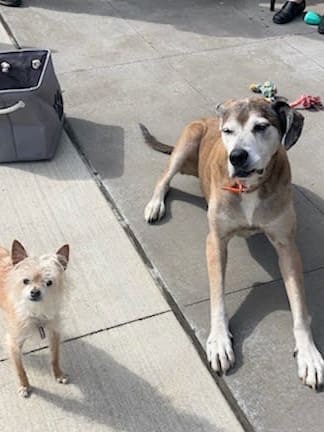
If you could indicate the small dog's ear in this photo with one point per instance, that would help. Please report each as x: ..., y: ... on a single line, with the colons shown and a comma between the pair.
x: 291, y: 123
x: 18, y: 252
x: 63, y: 255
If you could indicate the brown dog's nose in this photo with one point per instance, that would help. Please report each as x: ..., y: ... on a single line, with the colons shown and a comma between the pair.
x: 238, y: 157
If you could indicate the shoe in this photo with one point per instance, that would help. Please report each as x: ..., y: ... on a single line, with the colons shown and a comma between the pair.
x: 321, y: 26
x: 15, y: 3
x: 289, y: 11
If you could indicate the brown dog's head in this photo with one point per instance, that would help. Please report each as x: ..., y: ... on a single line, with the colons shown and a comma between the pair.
x: 253, y: 129
x: 35, y: 284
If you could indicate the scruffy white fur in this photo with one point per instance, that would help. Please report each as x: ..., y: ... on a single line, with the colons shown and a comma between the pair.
x: 32, y: 293
x: 50, y: 269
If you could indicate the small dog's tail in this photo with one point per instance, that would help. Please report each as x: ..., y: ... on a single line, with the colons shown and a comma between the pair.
x: 153, y: 142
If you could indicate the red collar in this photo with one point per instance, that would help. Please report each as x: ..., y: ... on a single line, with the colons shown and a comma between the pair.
x: 239, y: 188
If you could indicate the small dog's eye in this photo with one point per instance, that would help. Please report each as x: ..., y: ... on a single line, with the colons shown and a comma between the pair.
x: 227, y: 131
x: 49, y: 283
x: 260, y: 127
x: 26, y: 281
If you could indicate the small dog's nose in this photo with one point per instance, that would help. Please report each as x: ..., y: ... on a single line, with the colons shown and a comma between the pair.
x: 35, y: 293
x: 238, y: 157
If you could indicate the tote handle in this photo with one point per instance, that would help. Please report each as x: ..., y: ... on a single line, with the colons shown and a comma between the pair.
x: 13, y: 108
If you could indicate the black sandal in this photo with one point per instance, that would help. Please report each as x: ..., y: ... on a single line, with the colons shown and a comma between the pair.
x: 289, y: 11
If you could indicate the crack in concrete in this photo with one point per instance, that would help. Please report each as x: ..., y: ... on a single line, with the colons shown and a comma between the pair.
x: 256, y: 285
x: 94, y: 332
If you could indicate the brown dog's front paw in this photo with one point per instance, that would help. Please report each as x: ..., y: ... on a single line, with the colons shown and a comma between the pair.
x: 24, y: 391
x: 154, y: 211
x: 310, y: 366
x: 220, y: 352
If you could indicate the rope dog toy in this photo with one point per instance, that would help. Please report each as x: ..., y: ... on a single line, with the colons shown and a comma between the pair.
x: 308, y: 102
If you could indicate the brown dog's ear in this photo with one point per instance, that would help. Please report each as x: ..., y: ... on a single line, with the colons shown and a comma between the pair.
x: 63, y: 255
x: 291, y: 123
x: 18, y: 252
x: 219, y: 110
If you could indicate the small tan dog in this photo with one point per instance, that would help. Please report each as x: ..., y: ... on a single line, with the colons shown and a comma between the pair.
x: 31, y: 295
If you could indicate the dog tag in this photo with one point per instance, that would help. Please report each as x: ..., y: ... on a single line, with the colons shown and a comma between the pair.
x: 42, y: 332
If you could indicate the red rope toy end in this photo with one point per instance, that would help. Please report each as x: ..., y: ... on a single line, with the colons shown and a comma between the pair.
x: 308, y: 102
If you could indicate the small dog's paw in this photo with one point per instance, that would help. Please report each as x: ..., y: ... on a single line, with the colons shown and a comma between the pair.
x: 154, y: 211
x: 310, y: 366
x: 24, y: 391
x: 220, y: 352
x: 62, y: 379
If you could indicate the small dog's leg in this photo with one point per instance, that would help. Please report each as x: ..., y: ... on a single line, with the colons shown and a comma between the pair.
x: 187, y: 146
x: 15, y: 355
x: 219, y: 345
x: 309, y: 360
x: 54, y: 339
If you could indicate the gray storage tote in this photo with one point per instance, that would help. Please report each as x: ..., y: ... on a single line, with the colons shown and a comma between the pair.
x: 31, y: 106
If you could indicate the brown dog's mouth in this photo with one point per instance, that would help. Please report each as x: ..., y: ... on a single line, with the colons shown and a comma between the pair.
x: 241, y: 173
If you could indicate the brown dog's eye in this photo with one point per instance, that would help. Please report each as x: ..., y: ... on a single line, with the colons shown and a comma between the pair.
x: 49, y: 283
x: 227, y: 131
x: 260, y: 127
x: 26, y: 281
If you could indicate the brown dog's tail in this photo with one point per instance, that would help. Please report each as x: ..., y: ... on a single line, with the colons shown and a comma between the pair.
x: 153, y: 142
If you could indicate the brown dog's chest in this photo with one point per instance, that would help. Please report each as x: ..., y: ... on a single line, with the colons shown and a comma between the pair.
x: 248, y: 214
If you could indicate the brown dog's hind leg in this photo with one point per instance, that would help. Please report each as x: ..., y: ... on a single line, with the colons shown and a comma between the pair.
x: 54, y: 339
x: 185, y: 153
x: 15, y: 355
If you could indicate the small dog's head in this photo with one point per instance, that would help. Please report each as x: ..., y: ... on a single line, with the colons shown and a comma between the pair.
x: 36, y: 283
x: 253, y: 129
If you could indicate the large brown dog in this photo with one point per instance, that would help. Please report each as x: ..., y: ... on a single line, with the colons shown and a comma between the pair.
x: 240, y: 159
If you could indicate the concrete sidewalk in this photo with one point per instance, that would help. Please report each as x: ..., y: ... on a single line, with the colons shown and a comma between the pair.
x: 124, y: 62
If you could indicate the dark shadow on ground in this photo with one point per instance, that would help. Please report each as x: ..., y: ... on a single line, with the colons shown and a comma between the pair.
x: 220, y: 19
x: 175, y: 194
x: 112, y: 395
x: 103, y: 146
